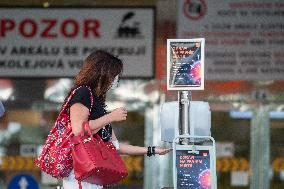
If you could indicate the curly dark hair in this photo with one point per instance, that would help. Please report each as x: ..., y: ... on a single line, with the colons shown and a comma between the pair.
x: 98, y: 72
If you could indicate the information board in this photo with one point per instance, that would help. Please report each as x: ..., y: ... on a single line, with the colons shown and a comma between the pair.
x: 244, y: 39
x: 193, y: 169
x: 53, y: 42
x: 185, y: 64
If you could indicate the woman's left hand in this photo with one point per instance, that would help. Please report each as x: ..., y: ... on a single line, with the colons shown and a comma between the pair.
x: 162, y: 151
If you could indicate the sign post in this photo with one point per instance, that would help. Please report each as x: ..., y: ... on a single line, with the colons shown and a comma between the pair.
x: 23, y: 181
x: 194, y: 163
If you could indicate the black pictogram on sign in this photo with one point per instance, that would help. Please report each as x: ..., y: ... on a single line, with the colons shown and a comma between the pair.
x: 129, y: 27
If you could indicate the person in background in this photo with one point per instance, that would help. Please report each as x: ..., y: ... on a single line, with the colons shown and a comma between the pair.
x: 100, y: 72
x: 2, y: 109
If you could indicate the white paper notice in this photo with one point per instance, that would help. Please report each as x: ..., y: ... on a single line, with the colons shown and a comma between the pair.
x: 239, y: 178
x: 225, y: 149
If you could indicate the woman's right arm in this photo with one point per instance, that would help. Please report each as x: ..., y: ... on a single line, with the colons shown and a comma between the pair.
x: 80, y: 113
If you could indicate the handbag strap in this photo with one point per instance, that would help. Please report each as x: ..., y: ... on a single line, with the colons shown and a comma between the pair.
x: 80, y: 184
x: 69, y: 98
x: 86, y: 128
x: 71, y: 95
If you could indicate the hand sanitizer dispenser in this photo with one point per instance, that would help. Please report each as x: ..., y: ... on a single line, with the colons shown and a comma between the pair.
x: 199, y: 118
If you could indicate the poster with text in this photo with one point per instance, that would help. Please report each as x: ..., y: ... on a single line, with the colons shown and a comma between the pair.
x: 244, y: 39
x: 185, y: 64
x: 53, y: 42
x: 193, y: 169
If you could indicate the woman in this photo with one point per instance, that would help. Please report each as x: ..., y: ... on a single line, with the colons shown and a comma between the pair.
x: 100, y: 72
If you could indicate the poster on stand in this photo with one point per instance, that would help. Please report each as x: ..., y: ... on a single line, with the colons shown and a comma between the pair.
x: 185, y: 64
x: 193, y: 169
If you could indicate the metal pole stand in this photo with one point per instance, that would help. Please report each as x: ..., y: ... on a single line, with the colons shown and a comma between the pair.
x: 194, y: 157
x: 184, y: 98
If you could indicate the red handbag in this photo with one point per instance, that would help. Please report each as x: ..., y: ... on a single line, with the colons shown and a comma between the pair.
x: 96, y: 161
x: 55, y: 158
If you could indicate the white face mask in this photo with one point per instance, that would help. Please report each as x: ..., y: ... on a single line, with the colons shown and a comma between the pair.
x: 114, y: 84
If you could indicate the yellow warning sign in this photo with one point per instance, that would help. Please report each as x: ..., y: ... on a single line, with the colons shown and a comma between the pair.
x: 232, y: 164
x: 133, y: 163
x: 17, y: 163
